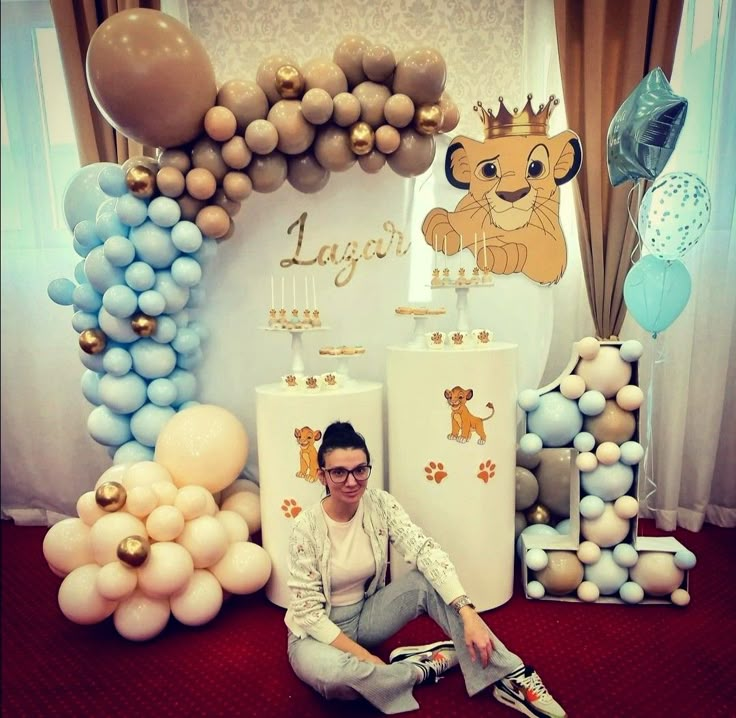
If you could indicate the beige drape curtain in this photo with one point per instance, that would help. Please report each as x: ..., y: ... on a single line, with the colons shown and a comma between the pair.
x: 606, y: 47
x: 76, y: 22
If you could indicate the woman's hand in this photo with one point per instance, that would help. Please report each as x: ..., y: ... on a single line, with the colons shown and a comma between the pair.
x: 477, y: 636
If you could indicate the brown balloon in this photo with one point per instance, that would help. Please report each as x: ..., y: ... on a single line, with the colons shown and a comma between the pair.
x: 213, y: 221
x: 189, y: 206
x: 388, y: 139
x: 237, y: 186
x: 134, y: 550
x: 175, y: 158
x: 317, y: 106
x: 378, y: 63
x: 346, y: 109
x: 399, y: 110
x: 207, y: 154
x: 348, y: 56
x: 332, y: 149
x: 236, y: 154
x: 295, y: 133
x: 143, y: 325
x: 232, y: 207
x: 150, y: 77
x: 289, y: 82
x: 266, y: 76
x: 372, y: 97
x: 325, y: 74
x: 414, y: 155
x: 261, y: 137
x: 428, y: 119
x: 170, y: 181
x: 421, y: 74
x: 245, y: 99
x: 92, y: 341
x: 110, y: 496
x: 220, y: 123
x: 268, y: 173
x: 362, y: 138
x: 201, y: 183
x: 307, y: 175
x: 450, y: 113
x: 373, y: 162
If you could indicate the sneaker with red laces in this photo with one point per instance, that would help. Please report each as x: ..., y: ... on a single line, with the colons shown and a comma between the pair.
x: 430, y: 660
x: 524, y: 691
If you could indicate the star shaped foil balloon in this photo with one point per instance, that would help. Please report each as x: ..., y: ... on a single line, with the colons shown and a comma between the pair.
x: 644, y: 130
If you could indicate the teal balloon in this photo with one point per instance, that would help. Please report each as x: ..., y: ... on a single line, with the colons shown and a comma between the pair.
x: 644, y: 130
x: 674, y: 214
x: 656, y: 291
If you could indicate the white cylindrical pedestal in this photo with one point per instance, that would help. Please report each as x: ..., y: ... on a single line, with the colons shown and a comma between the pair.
x: 287, y: 471
x: 462, y: 493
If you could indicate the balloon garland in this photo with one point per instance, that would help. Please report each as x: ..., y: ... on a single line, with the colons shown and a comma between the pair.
x: 166, y: 529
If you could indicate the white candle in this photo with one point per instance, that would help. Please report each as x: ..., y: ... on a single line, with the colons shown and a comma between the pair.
x: 475, y: 241
x: 306, y: 293
x: 282, y: 293
x: 293, y: 289
x: 314, y: 294
x: 444, y: 249
x: 272, y: 291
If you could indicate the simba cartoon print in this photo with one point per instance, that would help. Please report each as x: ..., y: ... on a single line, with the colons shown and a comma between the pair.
x: 509, y: 218
x: 462, y: 422
x: 306, y: 438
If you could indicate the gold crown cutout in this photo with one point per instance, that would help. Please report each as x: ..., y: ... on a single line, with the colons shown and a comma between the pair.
x: 526, y: 122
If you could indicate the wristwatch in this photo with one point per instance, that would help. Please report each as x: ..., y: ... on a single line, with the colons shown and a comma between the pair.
x: 461, y: 602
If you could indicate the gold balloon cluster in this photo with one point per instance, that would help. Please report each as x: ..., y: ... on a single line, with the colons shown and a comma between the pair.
x: 110, y: 496
x: 92, y: 341
x: 134, y: 550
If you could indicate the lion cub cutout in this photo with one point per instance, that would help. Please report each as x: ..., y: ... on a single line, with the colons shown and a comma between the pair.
x: 462, y: 422
x: 306, y: 437
x: 509, y: 218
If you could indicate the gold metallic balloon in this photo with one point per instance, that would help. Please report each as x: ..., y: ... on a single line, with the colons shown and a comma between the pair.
x: 92, y: 341
x: 362, y: 138
x: 538, y: 514
x: 143, y: 325
x: 428, y: 119
x: 111, y: 496
x: 289, y: 82
x: 141, y: 181
x: 134, y: 550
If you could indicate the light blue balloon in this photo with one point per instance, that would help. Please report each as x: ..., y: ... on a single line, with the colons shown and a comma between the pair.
x: 556, y: 420
x: 591, y: 507
x: 186, y: 236
x: 584, y: 441
x: 120, y: 301
x: 108, y: 428
x: 625, y: 555
x: 132, y: 452
x: 207, y: 251
x: 81, y: 250
x: 530, y: 444
x: 186, y: 386
x: 147, y: 422
x: 131, y: 210
x: 112, y: 181
x: 153, y: 244
x: 685, y: 559
x: 86, y: 235
x: 197, y: 298
x: 532, y: 529
x: 191, y: 360
x: 100, y: 273
x: 107, y: 206
x: 563, y: 527
x: 152, y: 303
x: 606, y: 573
x: 79, y: 276
x: 528, y: 399
x: 656, y: 291
x: 117, y: 329
x: 119, y: 250
x: 81, y: 321
x: 90, y: 383
x: 117, y: 361
x: 608, y: 481
x: 87, y: 298
x: 186, y: 341
x: 201, y: 329
x: 674, y: 213
x: 536, y: 559
x: 592, y: 403
x: 631, y: 350
x: 123, y: 394
x: 535, y: 589
x: 165, y: 330
x: 162, y: 392
x: 176, y: 296
x: 108, y: 225
x: 93, y: 362
x: 152, y: 360
x: 83, y: 195
x: 164, y: 211
x: 632, y: 452
x: 631, y: 592
x: 140, y: 276
x: 186, y: 271
x: 188, y: 404
x: 181, y: 318
x: 61, y: 291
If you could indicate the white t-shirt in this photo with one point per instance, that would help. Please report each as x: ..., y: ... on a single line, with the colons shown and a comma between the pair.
x: 351, y: 559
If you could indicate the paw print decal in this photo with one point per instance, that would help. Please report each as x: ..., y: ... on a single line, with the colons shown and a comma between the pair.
x: 437, y: 338
x: 487, y: 470
x: 330, y: 379
x: 435, y: 471
x: 290, y: 380
x: 311, y: 382
x: 457, y: 338
x: 291, y: 508
x: 483, y: 337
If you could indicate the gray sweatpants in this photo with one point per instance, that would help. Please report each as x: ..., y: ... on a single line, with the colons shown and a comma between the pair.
x: 339, y: 675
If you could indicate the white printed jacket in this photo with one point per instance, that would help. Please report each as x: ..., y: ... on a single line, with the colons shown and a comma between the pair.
x: 384, y: 521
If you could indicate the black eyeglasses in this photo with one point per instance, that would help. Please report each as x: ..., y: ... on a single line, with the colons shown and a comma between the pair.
x: 340, y: 474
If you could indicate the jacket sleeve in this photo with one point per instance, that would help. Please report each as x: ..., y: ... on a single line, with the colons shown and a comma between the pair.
x: 421, y: 550
x: 308, y: 600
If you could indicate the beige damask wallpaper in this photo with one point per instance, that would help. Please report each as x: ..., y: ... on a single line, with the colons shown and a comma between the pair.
x: 480, y: 40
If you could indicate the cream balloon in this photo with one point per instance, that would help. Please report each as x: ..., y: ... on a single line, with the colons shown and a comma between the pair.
x: 248, y: 505
x: 108, y: 531
x: 87, y: 508
x: 205, y: 539
x: 165, y: 523
x: 116, y: 581
x: 79, y: 599
x: 656, y: 573
x: 140, y: 617
x: 236, y: 527
x: 199, y: 601
x: 145, y: 473
x: 115, y: 473
x: 167, y: 570
x: 245, y: 568
x: 607, y: 372
x: 192, y: 501
x: 67, y: 545
x: 166, y: 492
x: 608, y: 529
x: 141, y: 501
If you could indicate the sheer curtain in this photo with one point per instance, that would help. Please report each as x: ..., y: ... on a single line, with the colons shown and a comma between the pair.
x: 690, y: 471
